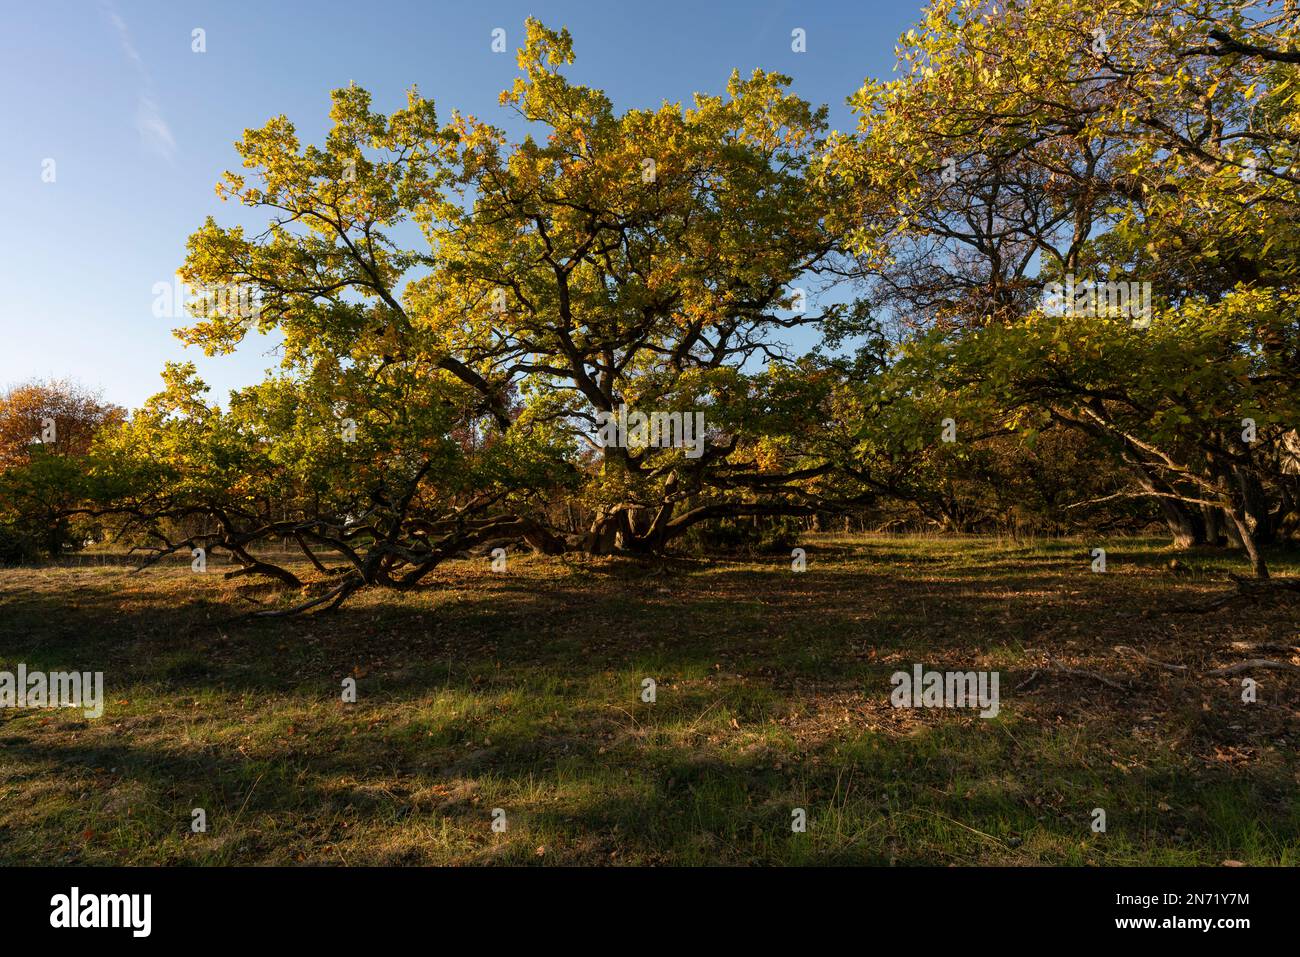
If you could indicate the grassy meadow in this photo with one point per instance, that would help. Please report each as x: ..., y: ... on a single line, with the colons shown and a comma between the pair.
x: 523, y: 691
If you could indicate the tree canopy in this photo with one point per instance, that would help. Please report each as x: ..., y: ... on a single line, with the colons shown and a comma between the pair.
x: 1048, y: 278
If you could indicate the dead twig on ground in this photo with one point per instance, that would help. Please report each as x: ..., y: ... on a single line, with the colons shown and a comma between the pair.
x: 1125, y: 649
x: 1252, y: 665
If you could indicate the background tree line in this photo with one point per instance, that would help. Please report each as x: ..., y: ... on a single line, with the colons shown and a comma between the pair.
x: 859, y: 314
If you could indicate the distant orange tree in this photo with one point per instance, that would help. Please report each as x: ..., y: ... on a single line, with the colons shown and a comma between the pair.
x: 46, y: 432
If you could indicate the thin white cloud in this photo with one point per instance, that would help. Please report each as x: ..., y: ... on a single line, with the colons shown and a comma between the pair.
x: 124, y: 35
x: 154, y: 131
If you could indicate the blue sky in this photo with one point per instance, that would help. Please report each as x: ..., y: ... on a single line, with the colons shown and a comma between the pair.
x: 140, y: 128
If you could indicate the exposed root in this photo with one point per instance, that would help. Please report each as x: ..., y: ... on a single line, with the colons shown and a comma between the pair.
x: 335, y: 596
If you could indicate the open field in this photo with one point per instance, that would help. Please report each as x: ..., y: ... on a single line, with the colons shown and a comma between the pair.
x: 522, y: 691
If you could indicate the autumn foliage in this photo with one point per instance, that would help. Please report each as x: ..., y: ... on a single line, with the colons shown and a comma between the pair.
x: 859, y: 315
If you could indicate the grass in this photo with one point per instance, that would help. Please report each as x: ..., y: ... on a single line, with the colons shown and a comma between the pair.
x: 522, y: 691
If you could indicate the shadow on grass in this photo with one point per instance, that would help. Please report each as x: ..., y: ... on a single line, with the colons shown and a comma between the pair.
x: 523, y: 693
x: 956, y: 793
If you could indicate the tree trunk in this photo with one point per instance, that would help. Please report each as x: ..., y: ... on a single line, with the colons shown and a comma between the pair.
x: 1186, y: 527
x: 1256, y: 507
x: 1248, y: 542
x: 1215, y: 525
x: 603, y: 533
